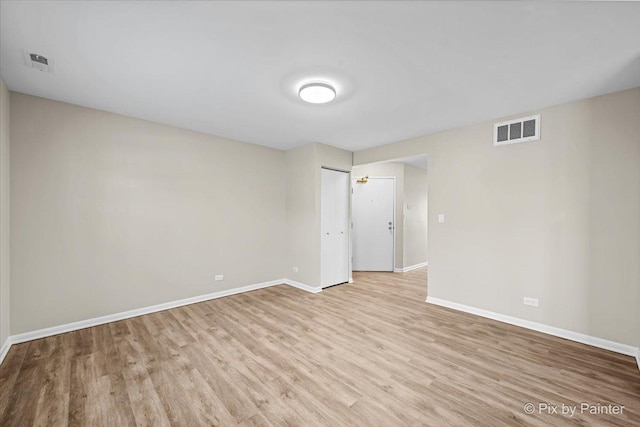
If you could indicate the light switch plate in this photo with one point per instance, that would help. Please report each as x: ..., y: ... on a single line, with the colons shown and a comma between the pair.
x: 440, y: 217
x: 219, y: 277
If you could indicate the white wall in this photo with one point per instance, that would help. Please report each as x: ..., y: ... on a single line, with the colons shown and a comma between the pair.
x: 556, y: 219
x: 4, y: 215
x: 111, y: 213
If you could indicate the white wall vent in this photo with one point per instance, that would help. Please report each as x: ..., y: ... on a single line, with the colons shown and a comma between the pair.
x: 37, y: 61
x: 517, y: 130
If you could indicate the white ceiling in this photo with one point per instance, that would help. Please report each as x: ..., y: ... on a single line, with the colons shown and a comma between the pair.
x: 401, y: 69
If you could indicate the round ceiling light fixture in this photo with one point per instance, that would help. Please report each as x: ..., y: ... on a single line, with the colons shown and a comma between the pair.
x: 317, y: 93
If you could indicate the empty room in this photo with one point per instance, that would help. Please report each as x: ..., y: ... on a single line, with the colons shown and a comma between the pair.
x: 319, y: 213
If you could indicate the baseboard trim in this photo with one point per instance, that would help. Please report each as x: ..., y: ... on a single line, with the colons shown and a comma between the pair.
x: 411, y: 267
x: 96, y: 321
x: 312, y: 289
x: 546, y: 329
x: 4, y: 350
x: 350, y: 279
x: 61, y: 329
x: 638, y: 358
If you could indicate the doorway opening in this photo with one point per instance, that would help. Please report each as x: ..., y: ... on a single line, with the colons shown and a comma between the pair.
x: 390, y: 215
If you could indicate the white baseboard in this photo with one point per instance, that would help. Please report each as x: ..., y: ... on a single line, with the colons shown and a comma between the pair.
x: 550, y: 330
x: 563, y: 333
x: 312, y: 289
x: 350, y: 279
x: 411, y: 267
x: 55, y: 330
x: 5, y: 349
x: 69, y: 327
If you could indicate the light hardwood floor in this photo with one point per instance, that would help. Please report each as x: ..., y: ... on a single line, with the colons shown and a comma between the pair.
x: 372, y: 353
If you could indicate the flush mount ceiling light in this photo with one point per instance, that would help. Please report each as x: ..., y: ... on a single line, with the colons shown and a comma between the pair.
x: 317, y: 93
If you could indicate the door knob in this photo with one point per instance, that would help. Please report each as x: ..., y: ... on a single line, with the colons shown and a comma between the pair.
x: 390, y: 223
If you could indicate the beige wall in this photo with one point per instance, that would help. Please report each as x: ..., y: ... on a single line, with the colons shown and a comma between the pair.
x: 4, y: 215
x: 415, y: 216
x: 111, y: 213
x: 303, y: 207
x: 303, y: 242
x: 556, y: 219
x: 333, y: 158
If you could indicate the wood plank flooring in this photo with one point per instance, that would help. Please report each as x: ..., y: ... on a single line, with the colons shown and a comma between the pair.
x: 372, y: 353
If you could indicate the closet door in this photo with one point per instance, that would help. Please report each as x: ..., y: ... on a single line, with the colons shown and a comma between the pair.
x: 334, y: 239
x: 341, y: 213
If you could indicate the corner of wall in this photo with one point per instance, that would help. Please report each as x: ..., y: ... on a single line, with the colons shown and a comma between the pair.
x: 300, y: 219
x: 638, y: 342
x: 303, y: 207
x: 5, y: 259
x: 474, y: 180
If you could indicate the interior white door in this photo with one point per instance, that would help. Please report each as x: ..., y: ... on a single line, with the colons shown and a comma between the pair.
x: 334, y: 240
x: 373, y: 224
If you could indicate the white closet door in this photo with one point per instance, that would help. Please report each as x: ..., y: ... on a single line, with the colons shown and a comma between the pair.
x: 328, y: 197
x: 342, y: 227
x: 334, y: 227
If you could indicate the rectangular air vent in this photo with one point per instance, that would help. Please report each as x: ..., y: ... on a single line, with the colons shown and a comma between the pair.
x: 37, y: 61
x: 517, y: 130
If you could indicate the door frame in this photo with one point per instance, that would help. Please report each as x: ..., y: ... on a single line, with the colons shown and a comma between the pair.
x: 394, y: 217
x: 349, y: 219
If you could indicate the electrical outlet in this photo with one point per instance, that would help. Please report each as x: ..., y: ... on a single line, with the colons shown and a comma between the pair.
x: 219, y: 277
x: 440, y: 218
x: 295, y: 269
x: 530, y: 301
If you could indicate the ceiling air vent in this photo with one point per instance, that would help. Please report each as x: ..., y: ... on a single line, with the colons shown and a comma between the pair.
x: 517, y: 130
x: 37, y: 61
